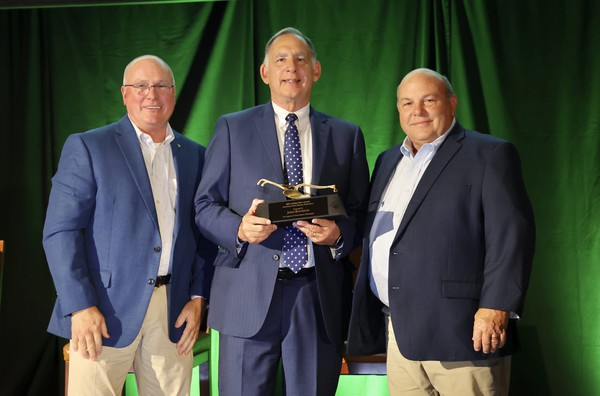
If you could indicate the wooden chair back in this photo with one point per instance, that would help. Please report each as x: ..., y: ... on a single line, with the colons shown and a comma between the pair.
x: 1, y: 258
x: 1, y: 269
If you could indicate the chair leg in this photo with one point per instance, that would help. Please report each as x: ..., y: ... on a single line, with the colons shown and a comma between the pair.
x: 213, y: 369
x: 130, y: 388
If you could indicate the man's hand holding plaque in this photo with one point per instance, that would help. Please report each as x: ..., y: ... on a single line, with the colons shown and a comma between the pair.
x: 320, y: 231
x: 313, y: 215
x: 254, y: 228
x: 301, y: 206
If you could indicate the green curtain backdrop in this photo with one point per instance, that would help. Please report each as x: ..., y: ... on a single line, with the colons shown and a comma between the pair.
x: 528, y: 71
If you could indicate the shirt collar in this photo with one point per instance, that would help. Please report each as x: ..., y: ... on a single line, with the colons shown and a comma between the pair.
x: 281, y: 113
x: 407, y: 147
x: 146, y: 139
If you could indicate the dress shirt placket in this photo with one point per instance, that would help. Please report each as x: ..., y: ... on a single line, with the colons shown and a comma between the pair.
x: 164, y: 205
x: 159, y: 165
x: 391, y: 210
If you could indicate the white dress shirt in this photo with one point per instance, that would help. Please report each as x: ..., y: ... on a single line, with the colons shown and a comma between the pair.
x: 163, y: 180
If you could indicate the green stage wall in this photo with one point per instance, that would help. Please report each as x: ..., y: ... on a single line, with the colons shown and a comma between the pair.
x: 528, y: 71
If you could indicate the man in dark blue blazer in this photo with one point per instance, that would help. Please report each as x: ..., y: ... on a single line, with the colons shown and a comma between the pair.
x: 122, y: 245
x: 266, y: 312
x: 447, y: 255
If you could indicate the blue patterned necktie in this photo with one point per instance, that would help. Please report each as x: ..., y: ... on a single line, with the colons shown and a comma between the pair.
x: 295, y: 254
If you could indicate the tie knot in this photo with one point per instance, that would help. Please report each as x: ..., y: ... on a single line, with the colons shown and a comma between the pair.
x: 291, y: 118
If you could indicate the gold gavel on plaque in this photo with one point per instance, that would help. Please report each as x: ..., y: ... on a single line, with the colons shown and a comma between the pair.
x: 293, y: 192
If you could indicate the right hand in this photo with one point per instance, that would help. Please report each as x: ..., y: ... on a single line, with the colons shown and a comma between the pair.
x: 255, y: 229
x: 489, y: 330
x: 87, y: 329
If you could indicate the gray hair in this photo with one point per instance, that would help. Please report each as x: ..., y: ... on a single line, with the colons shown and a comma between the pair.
x: 156, y: 59
x: 297, y: 33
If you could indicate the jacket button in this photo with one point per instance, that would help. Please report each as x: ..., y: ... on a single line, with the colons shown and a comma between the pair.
x: 157, y: 249
x: 151, y: 281
x: 275, y: 257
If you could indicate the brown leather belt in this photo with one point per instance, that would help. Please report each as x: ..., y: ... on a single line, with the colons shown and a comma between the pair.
x: 286, y: 273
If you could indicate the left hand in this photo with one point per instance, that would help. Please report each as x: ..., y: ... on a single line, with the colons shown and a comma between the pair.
x: 191, y: 315
x: 319, y: 231
x: 489, y: 330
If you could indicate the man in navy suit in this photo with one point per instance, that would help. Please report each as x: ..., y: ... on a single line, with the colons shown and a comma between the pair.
x: 122, y: 245
x: 265, y: 311
x: 449, y: 242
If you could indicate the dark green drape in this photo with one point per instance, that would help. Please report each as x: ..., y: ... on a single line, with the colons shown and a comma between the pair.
x: 525, y: 71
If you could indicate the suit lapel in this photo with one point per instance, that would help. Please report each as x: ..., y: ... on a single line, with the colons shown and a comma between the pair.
x: 321, y: 136
x: 445, y: 153
x: 184, y: 177
x: 384, y: 174
x: 266, y: 131
x: 130, y: 147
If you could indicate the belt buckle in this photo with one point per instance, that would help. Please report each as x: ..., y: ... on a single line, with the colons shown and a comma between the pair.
x: 162, y: 280
x: 285, y: 273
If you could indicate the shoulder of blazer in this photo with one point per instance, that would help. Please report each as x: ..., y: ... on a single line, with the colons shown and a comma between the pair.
x: 103, y: 136
x: 120, y: 125
x: 459, y: 133
x: 322, y: 118
x: 393, y: 152
x: 251, y: 112
x: 184, y: 140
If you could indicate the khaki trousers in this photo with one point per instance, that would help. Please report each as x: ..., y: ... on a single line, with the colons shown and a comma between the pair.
x: 435, y: 378
x: 159, y: 369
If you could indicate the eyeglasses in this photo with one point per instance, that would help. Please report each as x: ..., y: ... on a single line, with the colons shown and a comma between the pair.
x: 144, y: 88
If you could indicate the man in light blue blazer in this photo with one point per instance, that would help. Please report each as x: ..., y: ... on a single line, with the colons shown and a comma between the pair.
x: 122, y: 245
x: 264, y: 310
x: 448, y: 248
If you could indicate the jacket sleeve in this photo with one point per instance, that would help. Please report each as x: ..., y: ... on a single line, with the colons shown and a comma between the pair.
x: 70, y: 207
x: 509, y: 232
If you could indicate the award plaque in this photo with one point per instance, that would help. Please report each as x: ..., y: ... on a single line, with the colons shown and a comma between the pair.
x: 300, y: 206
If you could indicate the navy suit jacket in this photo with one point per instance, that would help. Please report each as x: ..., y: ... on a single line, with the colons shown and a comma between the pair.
x: 466, y: 241
x: 243, y: 150
x: 101, y: 233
